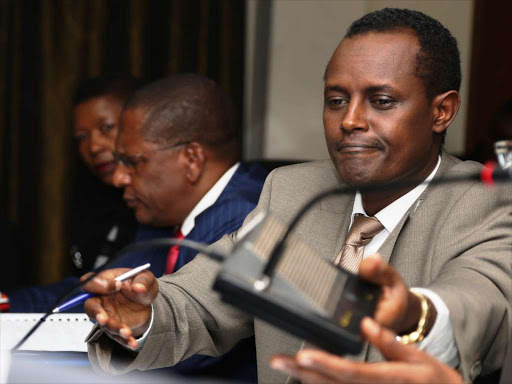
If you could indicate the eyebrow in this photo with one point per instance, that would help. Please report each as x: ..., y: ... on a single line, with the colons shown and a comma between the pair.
x: 371, y: 89
x: 379, y: 88
x: 335, y: 88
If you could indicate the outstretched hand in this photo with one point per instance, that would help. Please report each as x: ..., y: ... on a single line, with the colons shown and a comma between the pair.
x: 123, y: 310
x: 406, y: 364
x: 398, y: 308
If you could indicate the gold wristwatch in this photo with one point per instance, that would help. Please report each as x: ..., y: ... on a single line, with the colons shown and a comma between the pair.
x: 418, y: 335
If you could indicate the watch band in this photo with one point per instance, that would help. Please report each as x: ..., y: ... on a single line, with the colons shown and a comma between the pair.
x: 418, y: 335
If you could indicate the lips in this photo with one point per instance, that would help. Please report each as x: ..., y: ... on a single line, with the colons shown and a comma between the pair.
x: 132, y: 203
x: 105, y: 167
x: 345, y: 147
x: 131, y: 200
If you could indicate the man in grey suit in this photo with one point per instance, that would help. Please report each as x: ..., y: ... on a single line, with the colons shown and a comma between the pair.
x: 391, y: 91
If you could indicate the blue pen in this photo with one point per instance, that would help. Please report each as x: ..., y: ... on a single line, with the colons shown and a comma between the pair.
x: 84, y: 296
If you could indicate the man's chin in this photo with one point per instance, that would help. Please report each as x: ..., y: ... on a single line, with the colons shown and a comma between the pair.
x: 142, y: 217
x: 354, y: 175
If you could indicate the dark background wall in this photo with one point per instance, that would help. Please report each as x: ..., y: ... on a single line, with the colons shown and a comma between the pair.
x: 491, y: 68
x: 46, y: 48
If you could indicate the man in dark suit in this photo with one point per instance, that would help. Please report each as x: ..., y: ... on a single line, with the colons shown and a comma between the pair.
x: 178, y: 162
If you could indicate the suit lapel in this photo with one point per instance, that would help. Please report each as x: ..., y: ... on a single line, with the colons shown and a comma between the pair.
x: 341, y: 207
x: 386, y: 249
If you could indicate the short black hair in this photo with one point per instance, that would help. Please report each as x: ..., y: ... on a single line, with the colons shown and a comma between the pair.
x: 183, y: 108
x: 438, y: 61
x: 121, y: 86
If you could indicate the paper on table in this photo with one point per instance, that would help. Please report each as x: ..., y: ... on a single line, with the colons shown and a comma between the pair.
x: 60, y: 332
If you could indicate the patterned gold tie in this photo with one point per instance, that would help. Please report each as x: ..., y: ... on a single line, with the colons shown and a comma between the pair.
x: 361, y: 233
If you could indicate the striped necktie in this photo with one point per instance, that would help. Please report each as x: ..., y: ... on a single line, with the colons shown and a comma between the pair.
x: 363, y: 230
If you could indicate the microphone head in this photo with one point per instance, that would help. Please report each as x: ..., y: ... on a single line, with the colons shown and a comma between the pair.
x: 308, y: 296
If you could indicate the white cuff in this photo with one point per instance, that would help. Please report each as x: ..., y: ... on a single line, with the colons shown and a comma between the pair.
x: 440, y: 342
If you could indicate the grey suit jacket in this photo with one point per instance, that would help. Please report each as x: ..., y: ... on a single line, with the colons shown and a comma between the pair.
x: 455, y: 240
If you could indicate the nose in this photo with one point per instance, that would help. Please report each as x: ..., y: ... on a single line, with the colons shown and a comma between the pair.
x: 355, y: 116
x: 121, y: 177
x: 96, y: 144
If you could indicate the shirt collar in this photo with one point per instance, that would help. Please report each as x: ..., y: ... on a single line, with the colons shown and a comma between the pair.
x: 208, y: 200
x: 391, y: 215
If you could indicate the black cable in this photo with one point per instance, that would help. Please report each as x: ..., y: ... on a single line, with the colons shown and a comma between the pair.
x: 196, y: 246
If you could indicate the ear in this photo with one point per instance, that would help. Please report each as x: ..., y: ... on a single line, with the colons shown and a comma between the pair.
x: 195, y: 161
x: 445, y: 108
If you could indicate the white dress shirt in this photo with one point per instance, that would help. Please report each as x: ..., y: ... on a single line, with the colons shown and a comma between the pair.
x: 440, y: 341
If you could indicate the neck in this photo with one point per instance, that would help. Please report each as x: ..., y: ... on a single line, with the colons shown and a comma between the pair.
x: 213, y: 171
x: 373, y: 202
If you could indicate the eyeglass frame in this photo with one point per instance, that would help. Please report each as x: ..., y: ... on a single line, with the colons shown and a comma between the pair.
x: 131, y: 162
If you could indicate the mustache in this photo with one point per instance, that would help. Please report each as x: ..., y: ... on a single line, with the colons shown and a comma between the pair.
x: 374, y: 143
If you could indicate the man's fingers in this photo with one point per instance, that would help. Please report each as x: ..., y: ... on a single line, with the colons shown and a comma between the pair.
x: 146, y: 279
x: 86, y: 276
x: 386, y: 342
x: 144, y: 288
x: 339, y: 370
x: 332, y: 367
x: 94, y: 309
x: 289, y: 366
x: 104, y: 283
x: 373, y: 269
x: 138, y: 293
x: 129, y: 342
x: 115, y: 327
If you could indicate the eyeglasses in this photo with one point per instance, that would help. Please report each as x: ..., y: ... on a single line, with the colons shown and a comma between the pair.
x: 131, y: 162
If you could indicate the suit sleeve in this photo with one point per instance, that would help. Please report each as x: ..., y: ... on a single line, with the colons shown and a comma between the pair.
x: 189, y: 317
x: 475, y: 282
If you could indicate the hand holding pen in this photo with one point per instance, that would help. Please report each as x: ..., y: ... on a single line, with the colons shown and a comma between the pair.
x: 122, y: 310
x: 84, y: 296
